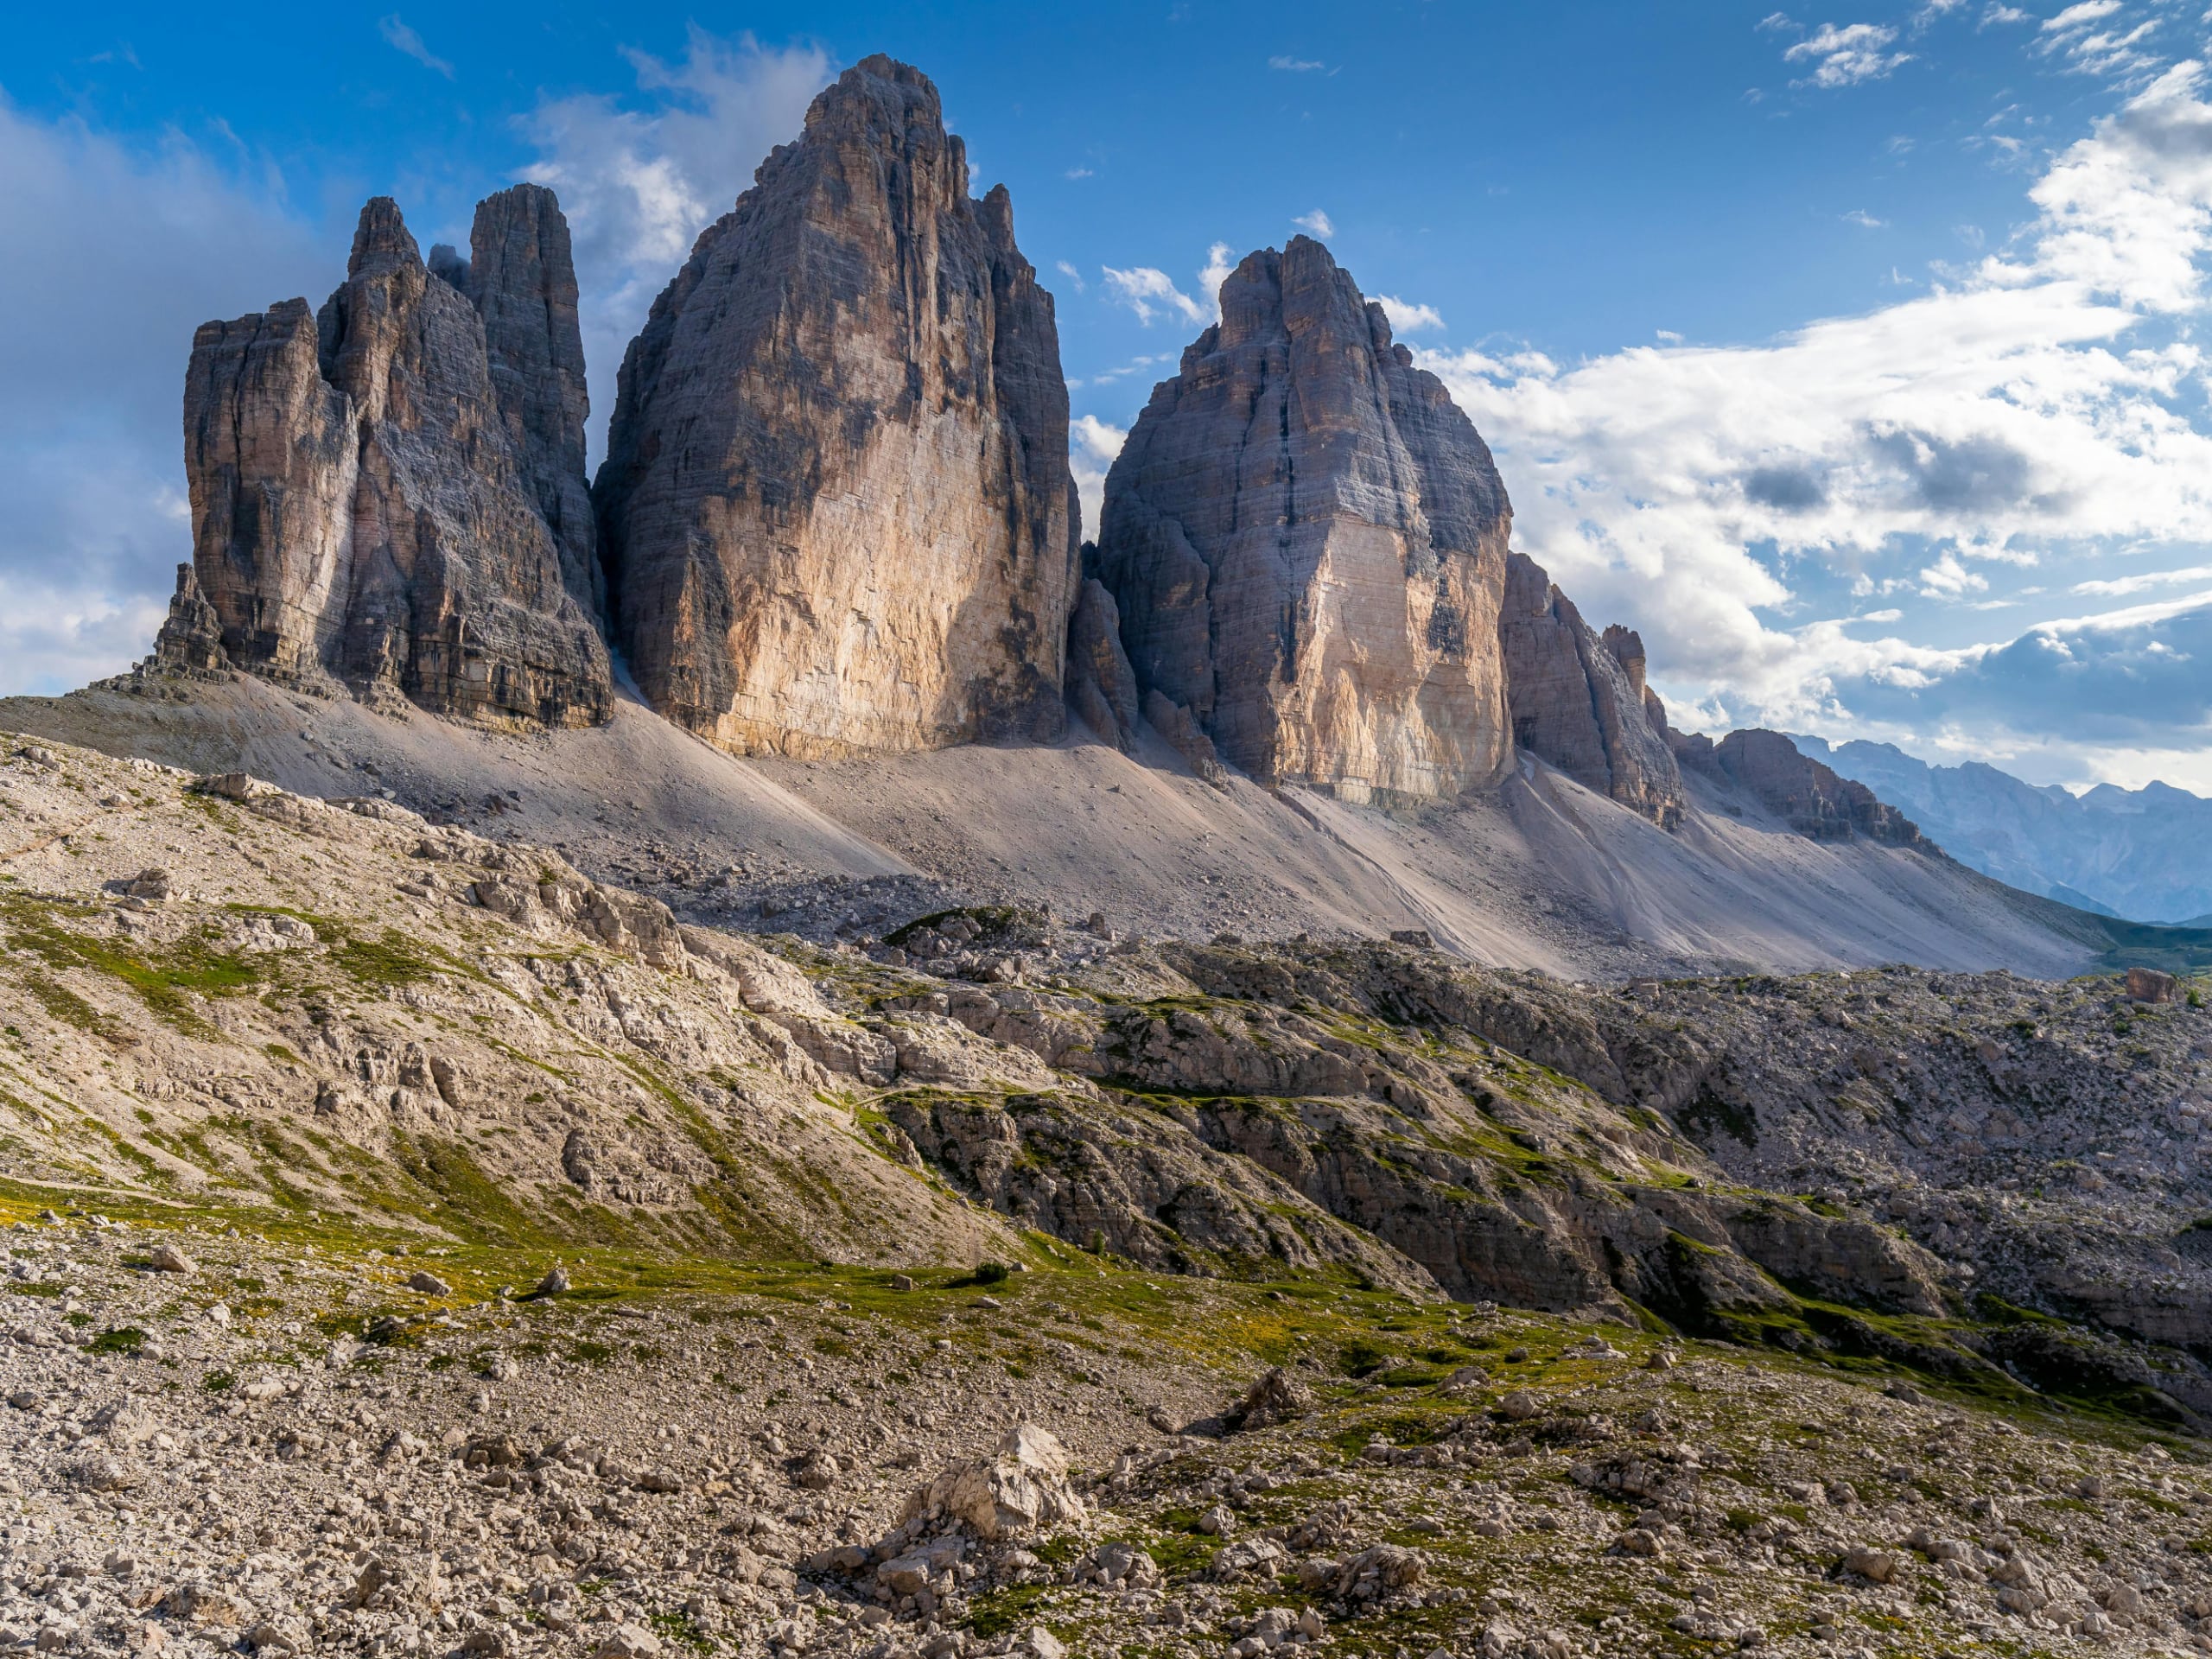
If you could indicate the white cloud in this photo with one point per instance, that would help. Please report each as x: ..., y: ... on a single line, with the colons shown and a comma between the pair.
x: 91, y: 368
x: 1407, y: 317
x: 2077, y: 38
x: 2040, y: 398
x: 1775, y: 22
x: 1070, y: 273
x: 1295, y: 66
x: 2119, y: 587
x: 1865, y: 220
x: 401, y: 38
x: 1948, y: 579
x: 1844, y: 56
x: 1316, y: 223
x: 2001, y: 13
x: 1220, y: 262
x: 1151, y: 292
x: 640, y: 184
x: 1092, y: 445
x: 1078, y: 173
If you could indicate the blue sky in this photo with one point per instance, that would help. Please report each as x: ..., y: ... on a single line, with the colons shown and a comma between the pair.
x: 1851, y: 354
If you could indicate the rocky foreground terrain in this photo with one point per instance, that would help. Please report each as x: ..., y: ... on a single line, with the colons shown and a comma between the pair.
x: 421, y: 1247
x: 284, y: 1437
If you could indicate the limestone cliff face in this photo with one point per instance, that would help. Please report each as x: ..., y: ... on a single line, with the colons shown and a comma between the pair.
x: 369, y: 483
x: 1579, y: 701
x: 836, y: 505
x: 1306, y: 539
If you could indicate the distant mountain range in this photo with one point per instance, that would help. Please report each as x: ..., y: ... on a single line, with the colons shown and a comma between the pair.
x: 2138, y: 853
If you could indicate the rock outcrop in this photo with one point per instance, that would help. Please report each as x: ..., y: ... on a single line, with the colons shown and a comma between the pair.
x: 1797, y: 789
x: 1101, y: 685
x: 1579, y: 701
x: 370, y: 483
x: 836, y: 505
x: 1307, y: 542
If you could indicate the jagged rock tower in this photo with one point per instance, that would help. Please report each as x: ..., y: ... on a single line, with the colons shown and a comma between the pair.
x: 1304, y: 562
x: 389, y: 492
x: 1305, y: 542
x: 836, y: 507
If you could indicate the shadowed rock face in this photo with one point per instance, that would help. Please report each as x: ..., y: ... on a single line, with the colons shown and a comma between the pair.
x: 1101, y: 686
x: 1579, y: 701
x: 1307, y: 540
x: 836, y: 507
x: 524, y: 283
x: 369, y: 483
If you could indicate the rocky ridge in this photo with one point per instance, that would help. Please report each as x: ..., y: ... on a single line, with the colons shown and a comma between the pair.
x: 1805, y: 793
x: 837, y: 506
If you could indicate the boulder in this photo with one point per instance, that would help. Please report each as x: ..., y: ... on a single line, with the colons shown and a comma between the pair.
x: 1277, y: 1397
x: 1020, y: 1487
x: 2149, y: 985
x: 838, y: 507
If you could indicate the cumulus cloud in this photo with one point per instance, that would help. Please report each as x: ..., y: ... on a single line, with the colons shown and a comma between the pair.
x: 640, y: 178
x: 1151, y: 293
x: 90, y: 454
x: 1407, y: 317
x: 2041, y: 397
x: 1316, y: 223
x: 1092, y: 445
x: 401, y: 38
x: 1847, y: 55
x: 2133, y: 681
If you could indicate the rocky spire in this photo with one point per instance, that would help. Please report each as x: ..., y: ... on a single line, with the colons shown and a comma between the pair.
x: 1306, y: 539
x: 522, y: 279
x: 368, y: 508
x: 836, y: 509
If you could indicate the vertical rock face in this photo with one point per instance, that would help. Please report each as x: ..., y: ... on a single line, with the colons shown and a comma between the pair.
x: 367, y: 504
x: 1579, y: 701
x: 836, y: 507
x: 1307, y: 540
x: 522, y: 278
